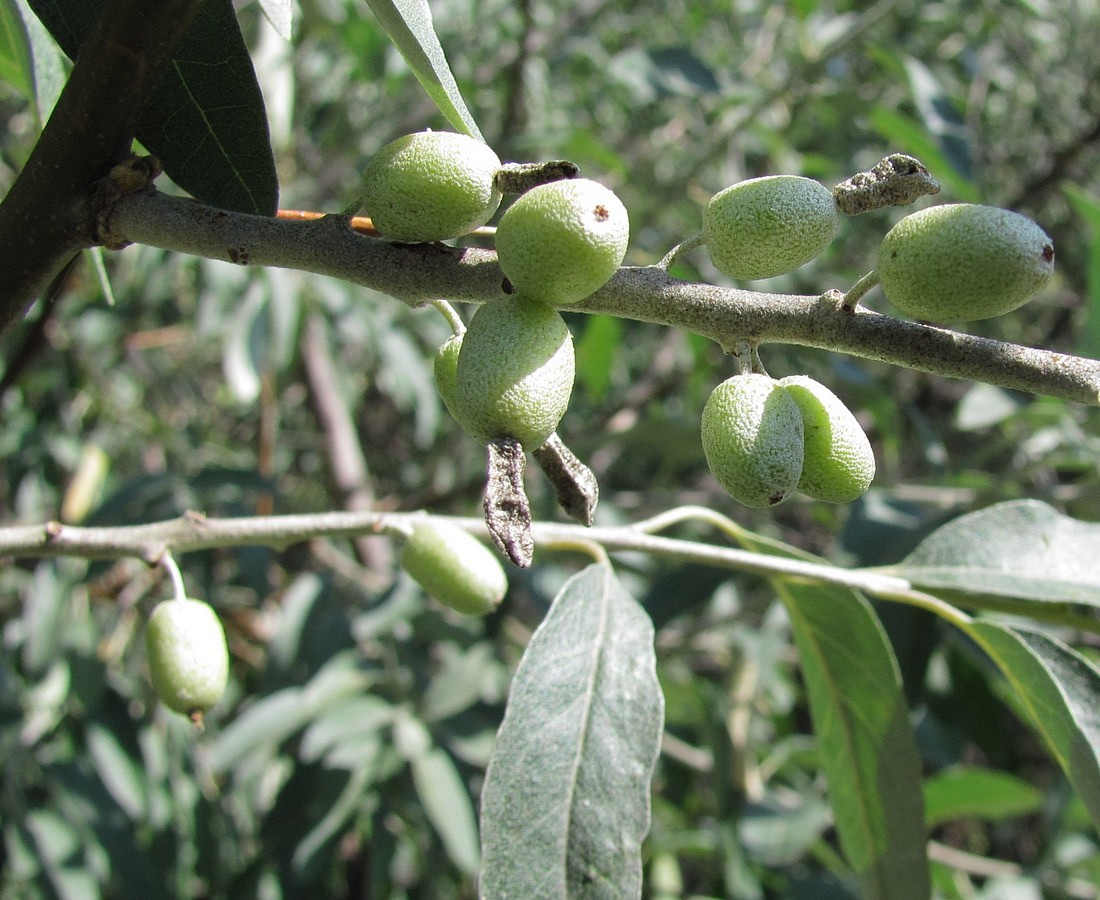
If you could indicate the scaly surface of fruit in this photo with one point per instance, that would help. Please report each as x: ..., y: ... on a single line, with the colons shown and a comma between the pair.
x: 962, y: 262
x: 454, y: 567
x: 769, y: 226
x: 431, y: 186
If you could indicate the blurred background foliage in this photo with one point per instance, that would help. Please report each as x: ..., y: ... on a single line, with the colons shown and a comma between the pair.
x: 347, y: 759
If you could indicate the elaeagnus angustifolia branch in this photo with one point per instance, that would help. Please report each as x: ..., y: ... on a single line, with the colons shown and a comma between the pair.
x: 416, y: 273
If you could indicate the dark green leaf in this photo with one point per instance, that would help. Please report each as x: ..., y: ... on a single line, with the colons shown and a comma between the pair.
x: 1061, y: 691
x: 1019, y: 550
x: 206, y: 121
x: 1087, y: 206
x: 979, y: 793
x: 566, y: 799
x: 409, y: 25
x: 867, y: 747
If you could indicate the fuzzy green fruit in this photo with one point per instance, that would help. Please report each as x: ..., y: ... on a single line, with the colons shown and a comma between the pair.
x: 561, y: 241
x: 188, y: 657
x: 431, y: 186
x: 454, y: 567
x: 515, y: 372
x: 445, y: 370
x: 961, y: 262
x: 769, y: 226
x: 838, y: 463
x: 752, y: 439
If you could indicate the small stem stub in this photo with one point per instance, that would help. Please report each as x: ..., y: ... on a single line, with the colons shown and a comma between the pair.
x: 897, y: 180
x: 575, y: 484
x: 517, y: 178
x: 507, y: 511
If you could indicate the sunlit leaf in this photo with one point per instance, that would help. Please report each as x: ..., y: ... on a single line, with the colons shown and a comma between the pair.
x: 566, y: 799
x: 1061, y: 691
x: 409, y: 25
x: 1020, y: 550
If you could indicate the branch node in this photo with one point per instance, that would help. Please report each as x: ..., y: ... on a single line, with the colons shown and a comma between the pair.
x: 131, y: 176
x: 53, y: 530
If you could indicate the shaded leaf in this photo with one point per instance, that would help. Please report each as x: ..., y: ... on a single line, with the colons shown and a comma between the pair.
x: 47, y: 65
x: 962, y: 791
x: 446, y: 800
x: 206, y: 120
x: 1087, y: 206
x: 566, y: 799
x: 15, y: 51
x: 409, y: 25
x: 1022, y: 550
x: 1060, y: 689
x: 866, y: 743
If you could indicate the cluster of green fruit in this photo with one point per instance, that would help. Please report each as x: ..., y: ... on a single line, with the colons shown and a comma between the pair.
x: 510, y: 375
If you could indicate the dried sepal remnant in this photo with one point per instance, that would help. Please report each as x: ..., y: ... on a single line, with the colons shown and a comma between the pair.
x: 518, y: 178
x: 575, y: 485
x: 507, y: 510
x: 897, y: 180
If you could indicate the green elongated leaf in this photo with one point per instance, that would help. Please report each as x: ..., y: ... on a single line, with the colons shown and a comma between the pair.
x: 867, y: 748
x: 47, y: 65
x: 963, y: 791
x: 409, y: 25
x: 1061, y: 691
x: 1019, y: 550
x: 15, y: 50
x: 206, y: 121
x: 121, y: 774
x: 1087, y: 206
x: 565, y: 805
x: 446, y: 800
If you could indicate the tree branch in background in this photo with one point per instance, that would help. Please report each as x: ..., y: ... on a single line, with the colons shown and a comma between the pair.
x: 416, y: 273
x: 47, y: 215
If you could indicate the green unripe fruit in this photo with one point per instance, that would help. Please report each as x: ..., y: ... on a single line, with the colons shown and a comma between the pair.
x: 752, y: 439
x: 561, y: 241
x: 445, y: 369
x: 431, y: 186
x: 515, y: 372
x: 838, y: 463
x: 455, y: 568
x: 188, y: 657
x: 769, y: 226
x: 962, y: 262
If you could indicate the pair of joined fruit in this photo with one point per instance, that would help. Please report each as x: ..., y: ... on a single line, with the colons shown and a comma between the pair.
x: 764, y: 439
